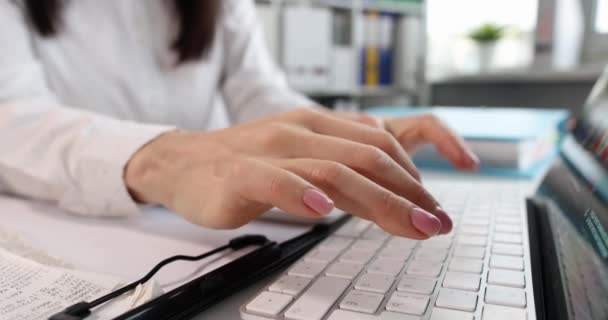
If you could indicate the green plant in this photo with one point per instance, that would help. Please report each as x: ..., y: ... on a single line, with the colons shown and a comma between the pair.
x: 487, y: 32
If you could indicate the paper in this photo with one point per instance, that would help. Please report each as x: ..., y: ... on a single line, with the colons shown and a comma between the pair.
x: 29, y: 290
x: 34, y: 285
x: 18, y: 246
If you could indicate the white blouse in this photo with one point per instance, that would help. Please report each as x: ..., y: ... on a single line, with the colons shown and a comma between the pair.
x: 75, y: 107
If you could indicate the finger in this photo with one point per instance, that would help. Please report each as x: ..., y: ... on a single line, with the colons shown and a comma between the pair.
x: 258, y: 186
x: 362, y: 118
x: 330, y: 124
x: 362, y: 197
x: 429, y: 128
x: 367, y: 160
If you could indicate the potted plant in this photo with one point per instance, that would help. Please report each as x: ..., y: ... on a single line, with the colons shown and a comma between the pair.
x: 486, y: 36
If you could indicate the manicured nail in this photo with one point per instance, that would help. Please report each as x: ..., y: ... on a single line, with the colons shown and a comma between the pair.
x: 470, y: 159
x: 318, y: 201
x: 446, y: 221
x: 425, y: 222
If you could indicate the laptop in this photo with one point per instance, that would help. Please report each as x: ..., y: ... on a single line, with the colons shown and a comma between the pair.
x: 510, y: 256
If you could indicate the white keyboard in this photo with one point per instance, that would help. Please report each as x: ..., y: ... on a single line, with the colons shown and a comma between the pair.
x: 479, y: 271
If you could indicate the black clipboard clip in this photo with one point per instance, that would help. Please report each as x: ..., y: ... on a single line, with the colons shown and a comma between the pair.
x: 201, y: 293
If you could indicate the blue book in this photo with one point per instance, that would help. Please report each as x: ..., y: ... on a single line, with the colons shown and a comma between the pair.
x: 511, y: 141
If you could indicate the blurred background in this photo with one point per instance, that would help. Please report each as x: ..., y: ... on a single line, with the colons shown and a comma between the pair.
x: 354, y: 54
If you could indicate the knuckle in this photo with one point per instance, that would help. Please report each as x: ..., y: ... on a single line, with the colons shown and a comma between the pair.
x: 385, y: 141
x: 273, y: 133
x: 329, y: 172
x: 276, y: 185
x: 368, y: 120
x: 375, y: 158
x: 308, y: 114
x: 237, y: 168
x: 431, y: 119
x: 390, y: 202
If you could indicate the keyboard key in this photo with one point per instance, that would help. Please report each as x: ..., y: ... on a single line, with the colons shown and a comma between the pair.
x: 506, y: 262
x: 395, y: 253
x: 431, y: 254
x: 356, y: 256
x: 512, y: 220
x: 457, y: 299
x: 417, y: 285
x: 367, y: 245
x: 507, y: 238
x: 508, y: 249
x: 466, y: 265
x: 470, y: 252
x: 344, y: 270
x: 477, y: 241
x: 403, y: 243
x: 444, y: 241
x: 479, y: 222
x: 316, y: 301
x: 411, y: 303
x: 379, y: 283
x: 353, y: 228
x: 474, y: 230
x: 349, y: 315
x: 507, y: 278
x: 269, y: 303
x: 385, y: 266
x: 463, y: 281
x: 324, y: 256
x: 510, y: 297
x: 375, y: 233
x: 361, y: 301
x: 291, y: 285
x: 508, y: 228
x: 447, y: 314
x: 424, y: 268
x: 306, y: 269
x: 335, y: 243
x: 492, y: 312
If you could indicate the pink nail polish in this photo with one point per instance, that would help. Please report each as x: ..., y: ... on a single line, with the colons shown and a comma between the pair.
x: 425, y: 222
x: 446, y: 221
x: 472, y: 159
x: 318, y: 201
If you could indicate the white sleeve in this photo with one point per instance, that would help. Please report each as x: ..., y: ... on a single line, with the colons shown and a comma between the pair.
x: 252, y: 85
x: 52, y: 152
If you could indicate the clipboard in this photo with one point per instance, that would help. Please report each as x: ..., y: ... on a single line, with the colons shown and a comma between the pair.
x: 203, y: 292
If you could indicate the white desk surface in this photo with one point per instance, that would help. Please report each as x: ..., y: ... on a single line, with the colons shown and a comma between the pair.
x: 128, y: 248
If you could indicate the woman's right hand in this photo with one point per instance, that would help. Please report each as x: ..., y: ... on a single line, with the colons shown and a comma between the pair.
x: 300, y: 161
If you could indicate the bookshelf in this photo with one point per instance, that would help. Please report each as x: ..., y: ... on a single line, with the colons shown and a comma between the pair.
x: 408, y: 81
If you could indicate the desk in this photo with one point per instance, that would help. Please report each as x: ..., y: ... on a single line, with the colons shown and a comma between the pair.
x: 128, y: 248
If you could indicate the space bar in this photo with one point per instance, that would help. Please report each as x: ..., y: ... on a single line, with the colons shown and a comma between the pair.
x: 317, y: 300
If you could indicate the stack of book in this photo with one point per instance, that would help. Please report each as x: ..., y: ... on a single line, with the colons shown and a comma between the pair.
x: 510, y: 141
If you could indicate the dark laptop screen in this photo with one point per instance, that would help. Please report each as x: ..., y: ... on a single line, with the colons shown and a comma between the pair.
x: 573, y: 227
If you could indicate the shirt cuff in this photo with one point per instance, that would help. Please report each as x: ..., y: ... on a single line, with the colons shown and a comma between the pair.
x: 99, y: 172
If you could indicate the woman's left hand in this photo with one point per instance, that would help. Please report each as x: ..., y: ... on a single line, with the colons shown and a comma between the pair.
x: 414, y: 131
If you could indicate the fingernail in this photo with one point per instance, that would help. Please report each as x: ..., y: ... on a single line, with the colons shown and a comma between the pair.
x: 446, y: 221
x: 318, y: 201
x: 425, y: 222
x: 471, y: 159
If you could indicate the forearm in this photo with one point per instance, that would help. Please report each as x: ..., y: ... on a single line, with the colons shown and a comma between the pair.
x: 73, y: 158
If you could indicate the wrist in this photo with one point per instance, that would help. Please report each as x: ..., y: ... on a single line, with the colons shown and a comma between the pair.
x: 147, y: 174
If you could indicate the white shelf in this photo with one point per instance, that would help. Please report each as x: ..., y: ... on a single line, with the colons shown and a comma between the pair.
x: 363, y: 92
x: 408, y: 8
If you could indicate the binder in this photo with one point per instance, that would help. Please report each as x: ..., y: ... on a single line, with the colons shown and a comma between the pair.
x: 203, y: 292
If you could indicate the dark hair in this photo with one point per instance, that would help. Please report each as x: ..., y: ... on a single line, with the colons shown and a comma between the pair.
x: 197, y: 23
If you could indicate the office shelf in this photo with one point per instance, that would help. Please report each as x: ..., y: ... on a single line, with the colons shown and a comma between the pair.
x: 390, y: 6
x: 362, y: 92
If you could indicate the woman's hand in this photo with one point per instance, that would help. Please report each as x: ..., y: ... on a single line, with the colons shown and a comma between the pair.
x: 301, y: 162
x: 411, y: 132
